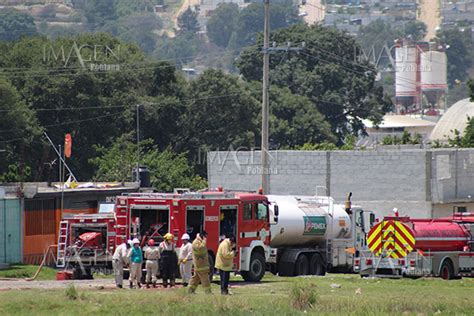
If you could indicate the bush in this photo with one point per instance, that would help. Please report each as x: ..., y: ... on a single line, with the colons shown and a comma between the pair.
x: 303, y: 296
x: 71, y: 292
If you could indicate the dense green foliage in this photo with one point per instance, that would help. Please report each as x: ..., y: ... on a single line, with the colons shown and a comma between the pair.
x: 379, y: 33
x: 463, y: 140
x: 343, y: 91
x: 470, y: 86
x: 168, y: 170
x: 188, y: 22
x: 222, y: 23
x: 405, y: 139
x: 459, y: 53
x: 229, y: 27
x: 54, y: 85
x: 15, y: 24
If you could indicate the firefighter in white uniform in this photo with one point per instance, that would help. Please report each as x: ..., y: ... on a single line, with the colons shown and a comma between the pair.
x: 119, y: 260
x: 185, y: 259
x: 152, y: 255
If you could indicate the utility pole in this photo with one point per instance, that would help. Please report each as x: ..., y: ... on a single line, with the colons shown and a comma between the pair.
x: 137, y: 172
x: 265, y: 99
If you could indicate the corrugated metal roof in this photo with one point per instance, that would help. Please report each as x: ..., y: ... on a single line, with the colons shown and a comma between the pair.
x: 397, y: 121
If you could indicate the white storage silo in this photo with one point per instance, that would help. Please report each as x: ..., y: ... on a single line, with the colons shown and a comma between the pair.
x: 405, y: 71
x: 433, y: 75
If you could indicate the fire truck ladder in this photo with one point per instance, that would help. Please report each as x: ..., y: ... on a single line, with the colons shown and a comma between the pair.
x: 62, y: 243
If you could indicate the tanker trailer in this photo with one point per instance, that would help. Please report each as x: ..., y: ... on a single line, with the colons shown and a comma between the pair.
x: 313, y: 235
x: 402, y: 246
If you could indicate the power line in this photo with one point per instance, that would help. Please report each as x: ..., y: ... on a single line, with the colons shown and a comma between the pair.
x: 189, y: 100
x: 73, y: 109
x: 148, y: 64
x: 65, y: 123
x: 359, y: 72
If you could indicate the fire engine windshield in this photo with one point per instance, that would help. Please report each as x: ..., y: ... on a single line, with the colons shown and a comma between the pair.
x: 262, y: 211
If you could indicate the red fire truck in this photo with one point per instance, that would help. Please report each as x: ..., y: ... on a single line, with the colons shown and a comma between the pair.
x: 151, y: 215
x: 403, y: 246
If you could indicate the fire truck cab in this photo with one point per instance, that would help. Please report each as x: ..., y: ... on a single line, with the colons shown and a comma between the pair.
x: 244, y: 215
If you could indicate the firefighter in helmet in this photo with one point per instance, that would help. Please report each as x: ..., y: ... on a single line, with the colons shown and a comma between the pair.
x: 152, y: 255
x: 201, y: 264
x: 168, y: 260
x: 185, y: 259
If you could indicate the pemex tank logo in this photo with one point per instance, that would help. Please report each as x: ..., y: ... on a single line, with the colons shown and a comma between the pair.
x: 314, y: 225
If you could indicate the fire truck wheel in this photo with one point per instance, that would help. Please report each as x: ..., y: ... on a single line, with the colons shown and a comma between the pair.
x: 316, y: 265
x: 447, y: 270
x: 302, y: 265
x: 257, y: 268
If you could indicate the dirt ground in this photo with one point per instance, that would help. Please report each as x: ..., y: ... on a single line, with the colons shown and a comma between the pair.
x: 315, y: 10
x: 184, y: 7
x: 21, y: 284
x: 429, y: 14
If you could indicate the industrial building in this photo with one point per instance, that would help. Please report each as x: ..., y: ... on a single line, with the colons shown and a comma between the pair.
x: 30, y: 214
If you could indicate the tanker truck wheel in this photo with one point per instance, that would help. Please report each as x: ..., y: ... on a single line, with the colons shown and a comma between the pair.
x: 447, y: 270
x: 257, y: 268
x: 316, y: 265
x: 302, y: 265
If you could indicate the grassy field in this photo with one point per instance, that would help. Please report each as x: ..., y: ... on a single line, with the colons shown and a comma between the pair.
x: 27, y: 271
x: 333, y: 294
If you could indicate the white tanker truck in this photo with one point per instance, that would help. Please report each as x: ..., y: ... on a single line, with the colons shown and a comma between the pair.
x: 311, y: 234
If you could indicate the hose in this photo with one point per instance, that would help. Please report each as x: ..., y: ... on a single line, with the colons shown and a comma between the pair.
x: 45, y: 256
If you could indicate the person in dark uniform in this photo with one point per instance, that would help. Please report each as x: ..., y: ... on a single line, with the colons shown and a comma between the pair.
x: 168, y: 261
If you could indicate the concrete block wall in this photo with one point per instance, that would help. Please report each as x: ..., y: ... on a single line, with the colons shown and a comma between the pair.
x: 411, y: 179
x: 380, y: 175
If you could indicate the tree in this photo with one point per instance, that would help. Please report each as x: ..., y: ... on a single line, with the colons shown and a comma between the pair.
x: 468, y: 137
x: 342, y: 90
x: 19, y: 128
x: 470, y: 86
x: 221, y: 114
x: 414, y: 29
x: 179, y: 48
x: 136, y: 28
x: 294, y: 120
x: 62, y: 88
x: 251, y: 19
x: 168, y: 170
x: 15, y: 24
x: 98, y: 13
x: 459, y: 53
x: 188, y: 22
x: 222, y: 23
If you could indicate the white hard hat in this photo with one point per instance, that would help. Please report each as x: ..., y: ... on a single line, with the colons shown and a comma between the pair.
x: 185, y: 236
x: 135, y: 241
x: 130, y: 242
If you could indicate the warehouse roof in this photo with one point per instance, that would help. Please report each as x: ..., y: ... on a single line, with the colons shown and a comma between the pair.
x: 398, y: 121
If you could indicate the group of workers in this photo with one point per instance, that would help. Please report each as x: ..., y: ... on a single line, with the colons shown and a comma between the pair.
x: 165, y: 259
